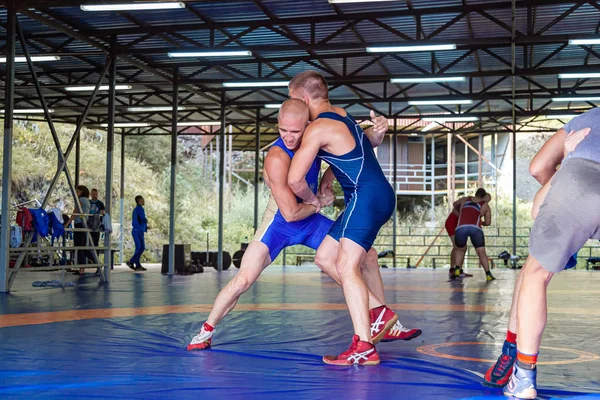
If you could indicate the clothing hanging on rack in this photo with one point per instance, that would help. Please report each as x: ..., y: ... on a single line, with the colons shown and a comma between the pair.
x: 25, y: 219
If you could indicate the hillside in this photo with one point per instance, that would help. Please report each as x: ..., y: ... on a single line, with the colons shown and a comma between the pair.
x: 147, y: 173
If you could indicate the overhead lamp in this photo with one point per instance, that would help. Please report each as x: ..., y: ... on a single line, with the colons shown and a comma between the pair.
x: 401, y: 49
x: 29, y: 111
x: 430, y: 126
x: 272, y: 105
x: 153, y: 108
x: 584, y: 41
x: 450, y: 119
x: 414, y: 134
x: 22, y: 59
x: 223, y: 53
x: 356, y: 1
x: 429, y: 80
x: 199, y: 123
x: 134, y: 6
x: 256, y: 84
x: 576, y: 98
x: 561, y: 116
x: 91, y: 88
x: 438, y: 102
x: 580, y: 76
x: 128, y: 125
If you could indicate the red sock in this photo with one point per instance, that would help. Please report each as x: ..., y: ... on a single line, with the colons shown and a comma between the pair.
x: 208, y: 327
x: 511, y: 337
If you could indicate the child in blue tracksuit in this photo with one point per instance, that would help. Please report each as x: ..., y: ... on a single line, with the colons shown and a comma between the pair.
x: 139, y: 225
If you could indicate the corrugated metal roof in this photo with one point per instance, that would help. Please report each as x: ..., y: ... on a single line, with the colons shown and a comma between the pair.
x: 280, y: 46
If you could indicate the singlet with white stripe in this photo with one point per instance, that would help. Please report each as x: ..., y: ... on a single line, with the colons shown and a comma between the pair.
x: 358, y: 169
x: 470, y: 215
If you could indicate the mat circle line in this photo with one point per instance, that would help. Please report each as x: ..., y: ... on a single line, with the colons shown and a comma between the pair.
x: 431, y: 350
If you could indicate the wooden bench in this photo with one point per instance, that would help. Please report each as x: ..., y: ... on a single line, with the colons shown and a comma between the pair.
x: 490, y: 261
x: 304, y: 257
x: 595, y: 261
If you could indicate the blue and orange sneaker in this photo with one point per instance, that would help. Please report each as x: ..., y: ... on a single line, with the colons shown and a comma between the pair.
x: 499, y: 374
x: 522, y: 384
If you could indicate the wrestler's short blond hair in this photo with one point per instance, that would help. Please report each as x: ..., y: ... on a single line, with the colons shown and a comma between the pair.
x: 310, y: 83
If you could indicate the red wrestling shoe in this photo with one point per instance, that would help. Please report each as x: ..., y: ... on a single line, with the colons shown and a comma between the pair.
x: 359, y: 353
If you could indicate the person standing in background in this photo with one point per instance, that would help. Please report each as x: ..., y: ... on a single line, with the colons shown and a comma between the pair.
x: 96, y: 207
x: 139, y: 225
x: 80, y: 237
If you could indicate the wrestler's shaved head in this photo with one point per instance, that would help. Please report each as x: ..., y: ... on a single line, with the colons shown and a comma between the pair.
x: 293, y: 108
x: 292, y: 121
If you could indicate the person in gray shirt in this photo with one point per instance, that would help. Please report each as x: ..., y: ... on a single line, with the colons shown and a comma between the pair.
x: 568, y: 216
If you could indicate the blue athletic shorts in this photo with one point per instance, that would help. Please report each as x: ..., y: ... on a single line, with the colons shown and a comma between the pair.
x: 277, y: 234
x: 465, y: 232
x: 364, y: 216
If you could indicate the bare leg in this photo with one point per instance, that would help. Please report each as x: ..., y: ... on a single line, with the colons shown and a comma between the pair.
x: 255, y: 260
x: 372, y: 276
x: 513, y: 318
x: 349, y: 260
x: 326, y: 260
x: 483, y: 259
x: 459, y: 256
x: 532, y: 309
x: 453, y: 253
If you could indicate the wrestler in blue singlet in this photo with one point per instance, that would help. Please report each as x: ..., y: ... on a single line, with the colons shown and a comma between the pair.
x: 369, y: 197
x: 309, y: 232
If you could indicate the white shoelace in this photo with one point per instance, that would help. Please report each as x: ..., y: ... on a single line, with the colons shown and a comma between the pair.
x: 397, y: 329
x: 202, y: 336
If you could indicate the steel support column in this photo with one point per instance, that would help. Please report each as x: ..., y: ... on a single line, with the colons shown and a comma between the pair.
x: 122, y: 200
x: 110, y: 143
x: 9, y: 92
x: 256, y: 168
x: 175, y: 103
x: 466, y: 171
x: 395, y: 181
x: 221, y: 181
x: 480, y: 163
x: 514, y: 126
x: 449, y: 170
x: 77, y: 160
x: 432, y: 217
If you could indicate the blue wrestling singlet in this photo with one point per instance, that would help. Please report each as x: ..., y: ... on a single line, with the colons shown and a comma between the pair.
x: 277, y: 233
x: 369, y: 197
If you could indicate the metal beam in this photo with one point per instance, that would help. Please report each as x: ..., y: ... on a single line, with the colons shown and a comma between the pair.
x: 221, y: 182
x: 395, y: 184
x: 110, y: 139
x: 7, y: 145
x: 122, y: 201
x: 514, y: 126
x: 316, y: 19
x: 173, y: 185
x: 256, y: 168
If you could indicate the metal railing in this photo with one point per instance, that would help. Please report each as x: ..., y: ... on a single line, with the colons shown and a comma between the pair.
x: 419, y: 179
x: 413, y: 242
